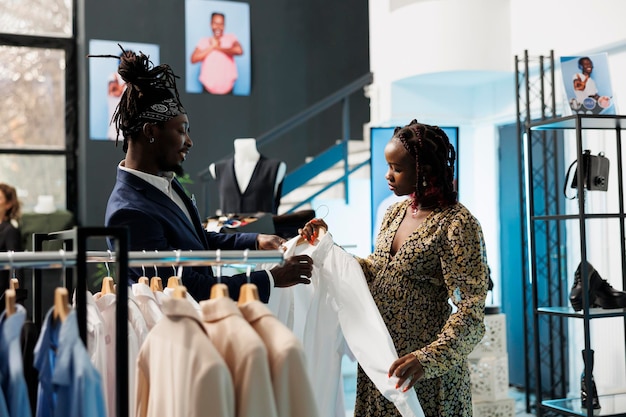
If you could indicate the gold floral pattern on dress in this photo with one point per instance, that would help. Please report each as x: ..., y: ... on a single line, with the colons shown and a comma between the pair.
x: 443, y: 260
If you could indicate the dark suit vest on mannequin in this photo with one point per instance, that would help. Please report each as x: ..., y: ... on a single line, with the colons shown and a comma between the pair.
x: 258, y: 196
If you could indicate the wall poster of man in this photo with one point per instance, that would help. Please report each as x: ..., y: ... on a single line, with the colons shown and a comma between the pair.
x: 588, y: 84
x: 106, y: 85
x: 217, y: 37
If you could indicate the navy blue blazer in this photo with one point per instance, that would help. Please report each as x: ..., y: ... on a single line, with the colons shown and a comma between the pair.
x: 155, y: 222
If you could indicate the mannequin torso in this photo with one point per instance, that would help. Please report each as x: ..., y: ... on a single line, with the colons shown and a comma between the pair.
x: 245, y: 165
x: 246, y: 157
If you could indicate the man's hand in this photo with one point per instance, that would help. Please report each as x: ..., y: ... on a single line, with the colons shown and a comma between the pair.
x: 269, y: 242
x: 295, y: 270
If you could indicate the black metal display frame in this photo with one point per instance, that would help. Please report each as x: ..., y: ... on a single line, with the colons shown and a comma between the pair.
x: 535, y: 90
x: 547, y: 223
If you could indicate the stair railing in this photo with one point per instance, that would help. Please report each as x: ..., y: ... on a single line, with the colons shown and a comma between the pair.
x: 331, y: 156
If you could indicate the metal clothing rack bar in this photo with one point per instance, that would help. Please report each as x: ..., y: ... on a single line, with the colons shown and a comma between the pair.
x: 60, y: 259
x: 67, y: 259
x: 195, y: 258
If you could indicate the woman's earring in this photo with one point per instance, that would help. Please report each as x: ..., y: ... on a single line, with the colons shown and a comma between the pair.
x: 151, y: 140
x: 424, y: 182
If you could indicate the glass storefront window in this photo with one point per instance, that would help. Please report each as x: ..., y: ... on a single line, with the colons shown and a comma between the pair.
x: 36, y: 17
x: 32, y: 81
x: 33, y: 176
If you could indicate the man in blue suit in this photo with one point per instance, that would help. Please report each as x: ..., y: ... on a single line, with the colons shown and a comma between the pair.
x: 151, y: 203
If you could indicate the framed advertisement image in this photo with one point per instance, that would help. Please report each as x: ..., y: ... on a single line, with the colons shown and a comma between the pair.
x: 217, y: 47
x: 587, y: 84
x: 106, y: 85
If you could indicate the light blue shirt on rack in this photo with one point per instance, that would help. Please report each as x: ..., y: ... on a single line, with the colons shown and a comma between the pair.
x: 11, y: 364
x: 69, y: 384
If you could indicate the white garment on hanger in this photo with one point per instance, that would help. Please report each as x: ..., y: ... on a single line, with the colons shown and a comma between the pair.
x: 160, y: 297
x: 135, y: 318
x: 281, y: 303
x: 137, y: 332
x: 316, y: 325
x: 346, y: 293
x: 96, y: 339
x: 147, y: 302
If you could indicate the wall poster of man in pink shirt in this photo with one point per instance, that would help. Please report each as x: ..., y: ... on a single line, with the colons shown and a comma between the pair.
x: 218, y: 56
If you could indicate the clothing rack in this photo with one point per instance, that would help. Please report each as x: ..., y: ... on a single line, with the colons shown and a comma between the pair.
x: 75, y: 257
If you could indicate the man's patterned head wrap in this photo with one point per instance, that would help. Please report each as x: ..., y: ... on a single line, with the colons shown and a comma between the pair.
x: 150, y: 96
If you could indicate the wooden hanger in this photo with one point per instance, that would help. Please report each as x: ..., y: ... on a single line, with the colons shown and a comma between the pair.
x: 61, y: 304
x: 174, y: 281
x: 9, y: 302
x: 180, y: 292
x: 156, y: 284
x: 219, y: 290
x: 248, y: 292
x: 143, y: 279
x: 108, y: 286
x: 14, y: 284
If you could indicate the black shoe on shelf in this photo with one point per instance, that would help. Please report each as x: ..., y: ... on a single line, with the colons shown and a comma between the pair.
x: 601, y: 293
x: 607, y: 296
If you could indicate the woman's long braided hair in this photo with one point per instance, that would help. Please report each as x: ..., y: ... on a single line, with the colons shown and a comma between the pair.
x: 146, y: 84
x: 434, y: 158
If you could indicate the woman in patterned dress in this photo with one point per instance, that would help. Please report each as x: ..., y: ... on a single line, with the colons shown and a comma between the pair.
x: 429, y: 256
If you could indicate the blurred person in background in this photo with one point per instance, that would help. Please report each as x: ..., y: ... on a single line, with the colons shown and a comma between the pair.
x: 10, y: 236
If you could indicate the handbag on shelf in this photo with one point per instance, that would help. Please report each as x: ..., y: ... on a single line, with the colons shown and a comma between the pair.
x: 595, y: 173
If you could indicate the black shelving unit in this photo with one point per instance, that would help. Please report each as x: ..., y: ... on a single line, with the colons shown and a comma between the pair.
x: 542, y: 223
x: 536, y: 100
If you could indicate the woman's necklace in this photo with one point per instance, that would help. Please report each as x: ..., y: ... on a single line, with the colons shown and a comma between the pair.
x: 415, y: 210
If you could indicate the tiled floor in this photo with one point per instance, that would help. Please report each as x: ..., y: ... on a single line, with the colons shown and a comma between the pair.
x: 350, y: 394
x: 520, y: 402
x: 349, y: 385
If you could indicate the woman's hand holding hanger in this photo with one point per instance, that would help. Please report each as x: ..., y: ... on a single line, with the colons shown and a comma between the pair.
x: 310, y: 231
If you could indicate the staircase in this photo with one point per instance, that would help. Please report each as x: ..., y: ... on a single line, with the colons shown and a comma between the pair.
x: 330, y: 183
x: 330, y: 171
